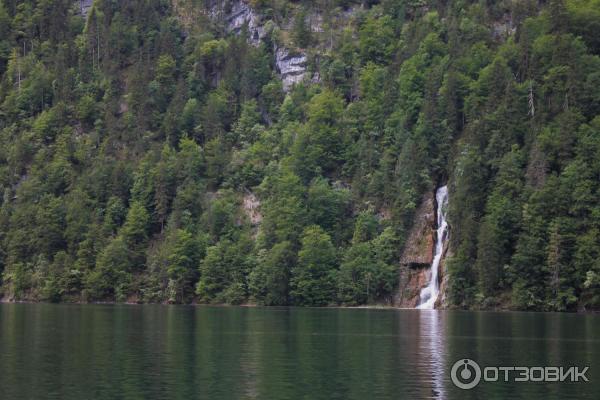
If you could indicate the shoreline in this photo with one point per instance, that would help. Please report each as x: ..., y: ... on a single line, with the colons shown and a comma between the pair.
x: 253, y: 305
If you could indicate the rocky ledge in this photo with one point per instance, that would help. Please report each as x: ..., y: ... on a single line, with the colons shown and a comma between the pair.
x: 417, y: 255
x: 291, y: 65
x: 238, y: 14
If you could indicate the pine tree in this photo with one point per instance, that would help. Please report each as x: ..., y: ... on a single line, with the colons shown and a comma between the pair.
x: 312, y: 280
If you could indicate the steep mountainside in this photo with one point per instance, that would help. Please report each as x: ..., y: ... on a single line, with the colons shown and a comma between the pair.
x: 280, y: 152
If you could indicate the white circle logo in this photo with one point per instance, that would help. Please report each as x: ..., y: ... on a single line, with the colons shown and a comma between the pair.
x: 465, y: 374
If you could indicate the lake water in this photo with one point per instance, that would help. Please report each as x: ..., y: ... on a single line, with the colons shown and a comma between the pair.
x: 179, y: 352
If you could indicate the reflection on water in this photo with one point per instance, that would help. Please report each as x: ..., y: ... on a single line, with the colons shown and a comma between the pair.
x: 157, y: 352
x: 432, y: 350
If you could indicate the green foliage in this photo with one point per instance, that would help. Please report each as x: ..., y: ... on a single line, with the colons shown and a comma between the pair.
x: 328, y: 207
x: 368, y: 271
x: 269, y: 281
x: 376, y: 39
x: 500, y: 225
x: 112, y: 274
x: 319, y: 146
x: 312, y: 282
x: 224, y: 271
x: 147, y: 158
x: 301, y: 30
x: 284, y: 209
x: 183, y: 262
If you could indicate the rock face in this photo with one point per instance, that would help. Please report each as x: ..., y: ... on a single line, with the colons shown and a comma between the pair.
x: 237, y: 16
x: 251, y: 205
x: 418, y: 251
x: 417, y: 255
x: 412, y: 280
x: 291, y: 67
x: 84, y: 7
x: 503, y: 28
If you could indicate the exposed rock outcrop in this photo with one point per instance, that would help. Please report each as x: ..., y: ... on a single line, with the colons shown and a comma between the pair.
x: 503, y: 28
x: 418, y: 251
x: 238, y: 14
x: 291, y: 67
x: 84, y: 7
x: 417, y: 255
x: 251, y: 205
x: 412, y: 280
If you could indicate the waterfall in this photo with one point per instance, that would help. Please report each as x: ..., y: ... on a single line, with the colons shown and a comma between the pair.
x: 429, y: 294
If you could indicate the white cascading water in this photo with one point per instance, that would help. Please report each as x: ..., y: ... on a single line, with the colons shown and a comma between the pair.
x: 429, y: 294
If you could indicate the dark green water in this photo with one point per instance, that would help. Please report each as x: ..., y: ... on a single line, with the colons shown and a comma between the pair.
x: 177, y: 352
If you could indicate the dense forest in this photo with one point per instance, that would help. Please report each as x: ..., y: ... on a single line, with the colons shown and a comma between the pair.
x: 150, y: 154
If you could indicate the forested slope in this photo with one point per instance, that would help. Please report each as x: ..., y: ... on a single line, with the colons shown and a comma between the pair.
x: 150, y: 151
